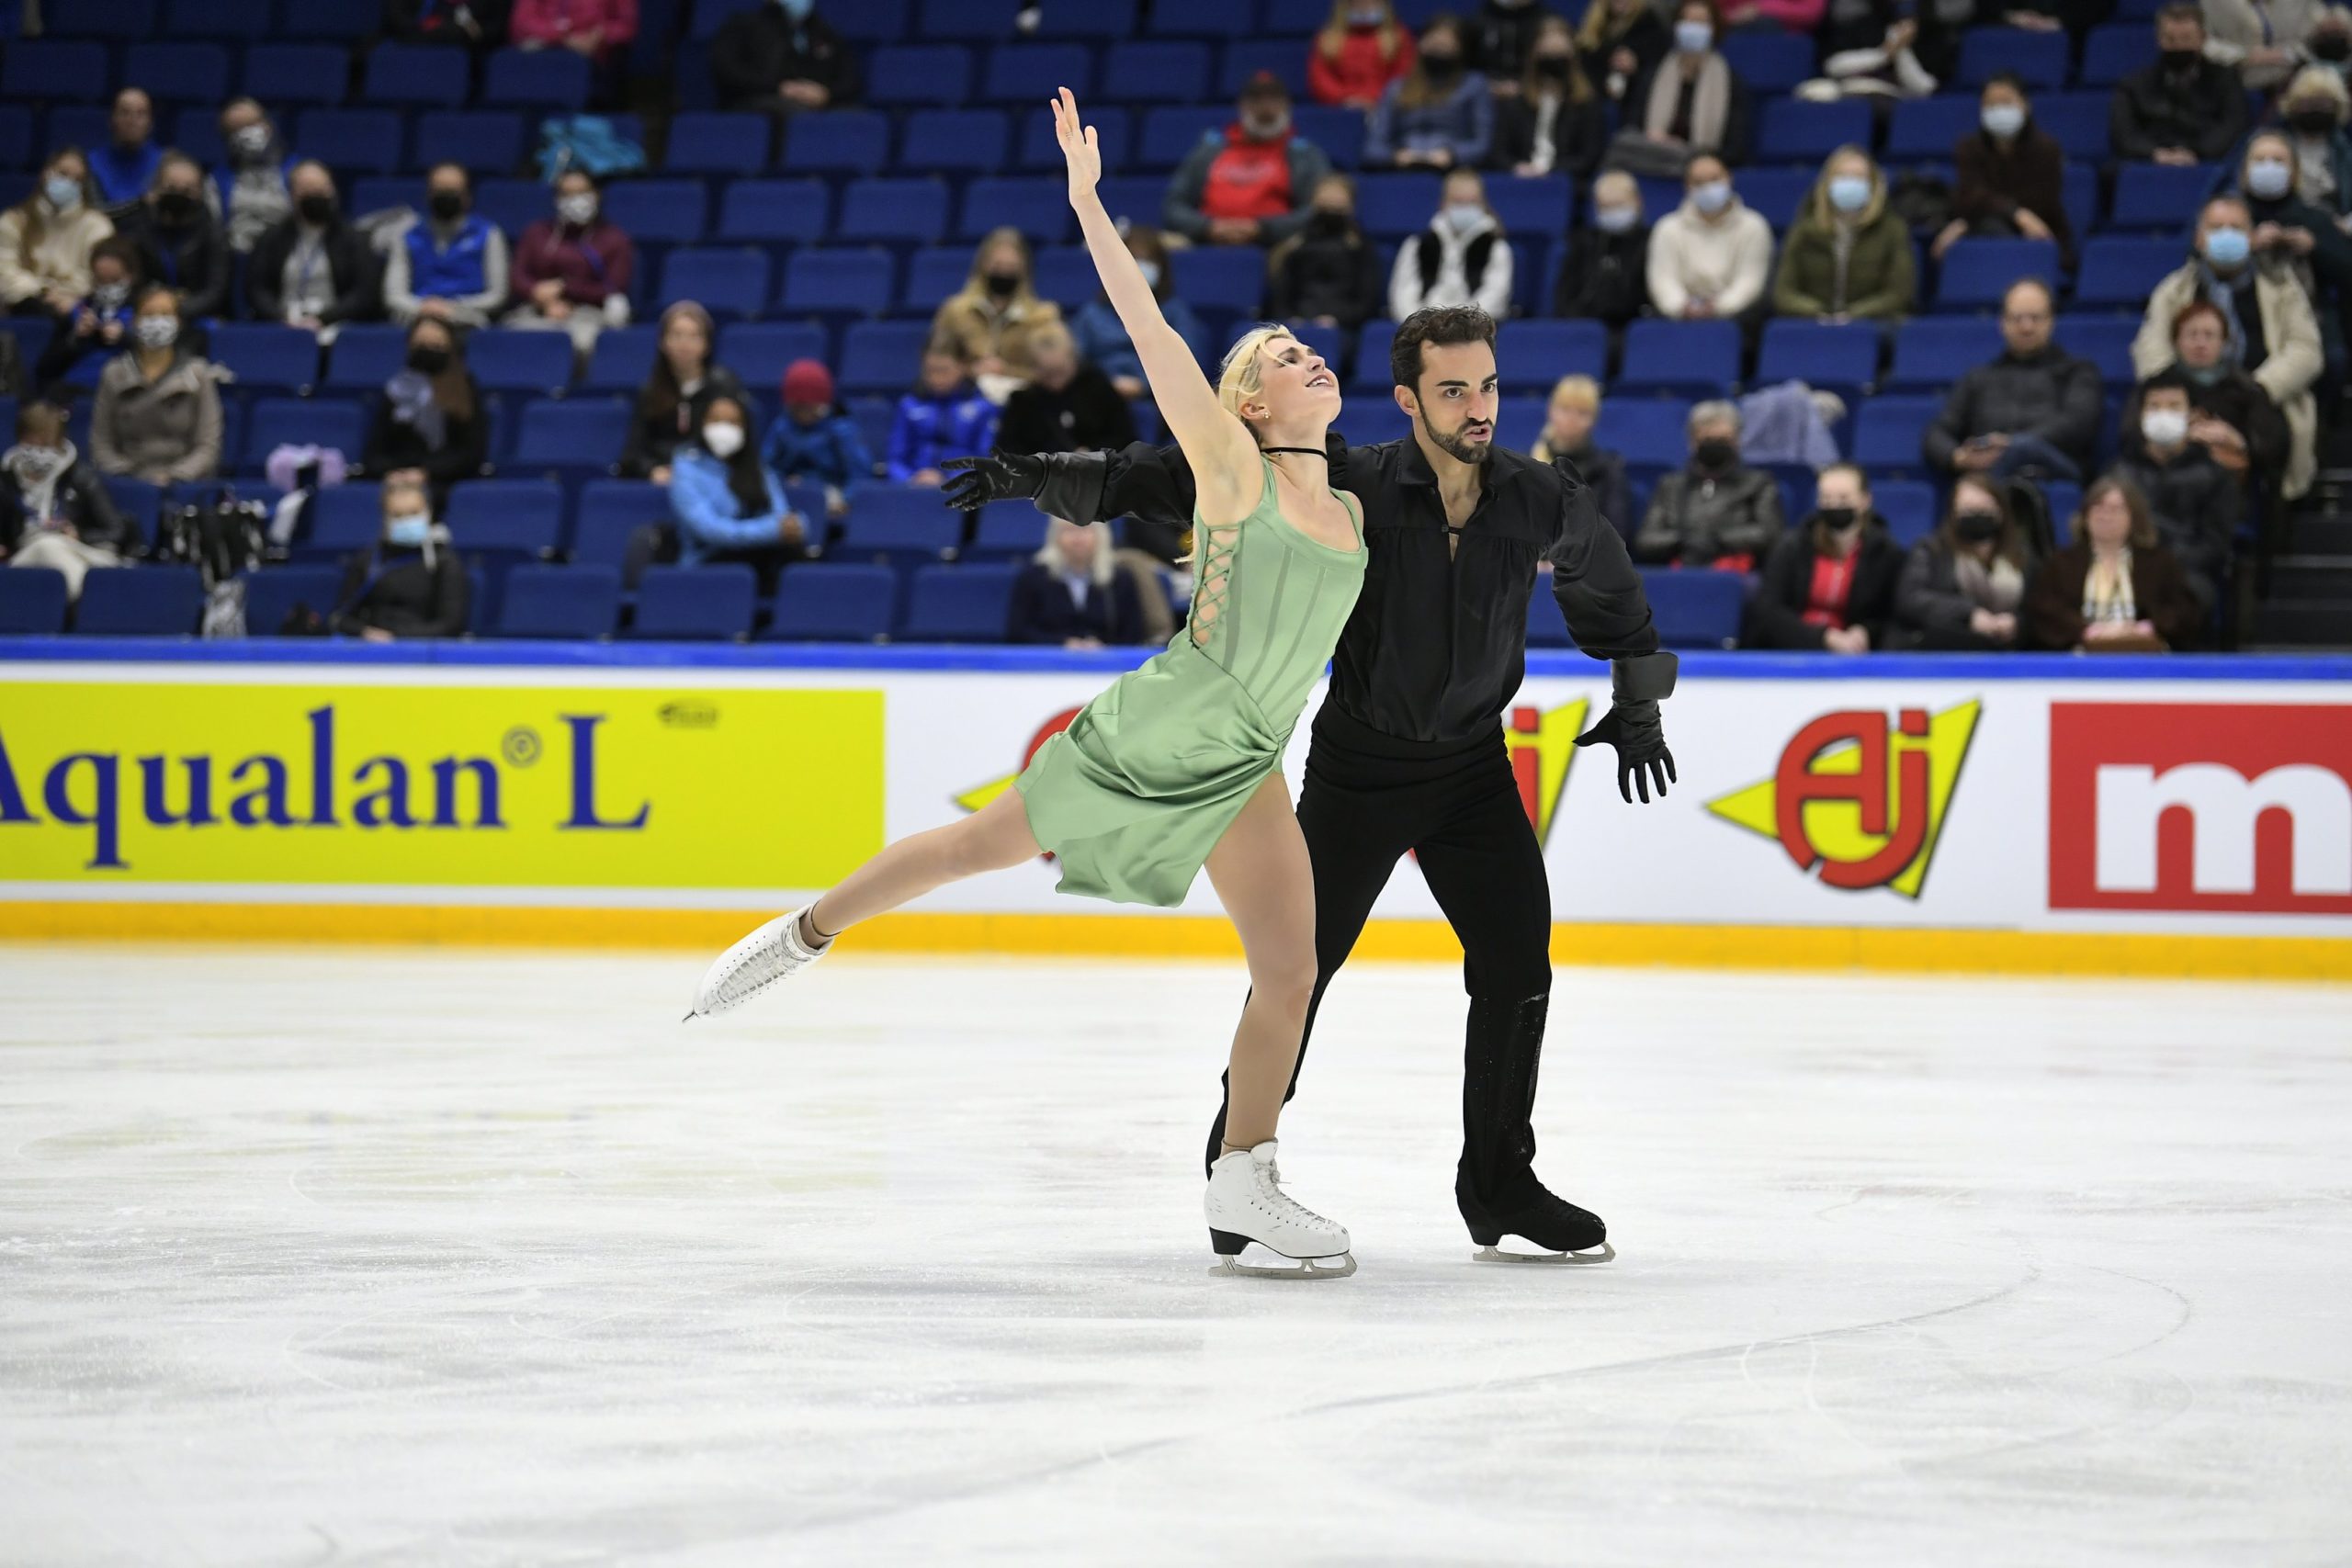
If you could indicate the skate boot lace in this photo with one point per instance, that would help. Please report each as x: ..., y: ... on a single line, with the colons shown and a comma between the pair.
x: 775, y: 956
x: 1287, y: 1208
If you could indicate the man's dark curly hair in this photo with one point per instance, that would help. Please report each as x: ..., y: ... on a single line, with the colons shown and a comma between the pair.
x: 1443, y: 325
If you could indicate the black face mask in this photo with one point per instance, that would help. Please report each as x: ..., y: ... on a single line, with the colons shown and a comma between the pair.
x: 1977, y: 527
x: 316, y: 210
x: 2333, y: 47
x: 1441, y: 67
x: 2179, y: 60
x: 176, y: 208
x: 2313, y: 122
x: 447, y: 205
x: 1553, y: 67
x: 429, y: 361
x: 1838, y: 519
x: 1715, y: 456
x: 1004, y: 285
x: 1326, y: 225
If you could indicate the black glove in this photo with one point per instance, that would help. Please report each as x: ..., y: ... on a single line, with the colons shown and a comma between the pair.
x: 1636, y: 730
x: 978, y: 481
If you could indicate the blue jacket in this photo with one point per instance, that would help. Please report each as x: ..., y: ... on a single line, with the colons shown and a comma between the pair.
x: 931, y: 430
x: 124, y: 177
x: 1464, y: 121
x: 831, y: 452
x: 1104, y: 341
x: 710, y: 518
x: 455, y: 273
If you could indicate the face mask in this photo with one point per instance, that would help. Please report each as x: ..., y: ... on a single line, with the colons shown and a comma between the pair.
x: 252, y: 142
x: 1977, y: 527
x: 2331, y: 45
x: 797, y: 9
x: 1693, y: 37
x: 37, y: 462
x: 1553, y: 67
x: 317, y: 211
x: 1464, y: 216
x: 1326, y: 224
x: 429, y: 361
x: 64, y: 191
x: 1837, y: 519
x: 2002, y: 121
x: 110, y: 296
x: 1003, y: 285
x: 1713, y: 196
x: 2267, y: 179
x: 1151, y: 270
x: 2316, y: 123
x: 446, y: 205
x: 408, y: 530
x: 1716, y: 454
x: 1441, y: 67
x: 156, y: 331
x: 723, y: 440
x: 2227, y: 247
x: 2178, y: 61
x: 1850, y: 193
x: 579, y: 211
x: 176, y: 207
x: 2164, y: 427
x: 1614, y: 219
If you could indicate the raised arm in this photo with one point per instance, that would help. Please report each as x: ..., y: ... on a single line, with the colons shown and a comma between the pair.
x: 1223, y: 457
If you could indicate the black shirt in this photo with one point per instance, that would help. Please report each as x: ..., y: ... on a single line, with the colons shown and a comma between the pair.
x: 1085, y: 414
x: 1437, y: 645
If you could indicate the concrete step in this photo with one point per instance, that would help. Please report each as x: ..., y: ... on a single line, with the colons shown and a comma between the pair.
x: 2321, y: 536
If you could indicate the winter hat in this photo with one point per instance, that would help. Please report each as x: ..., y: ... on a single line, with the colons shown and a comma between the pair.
x: 807, y: 381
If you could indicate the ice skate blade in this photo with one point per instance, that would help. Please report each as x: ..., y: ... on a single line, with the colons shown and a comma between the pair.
x: 1556, y: 1259
x: 1294, y: 1269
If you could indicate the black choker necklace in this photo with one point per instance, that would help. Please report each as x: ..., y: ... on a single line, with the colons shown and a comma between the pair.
x: 1302, y: 451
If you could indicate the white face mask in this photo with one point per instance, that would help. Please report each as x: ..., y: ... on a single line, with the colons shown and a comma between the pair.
x: 65, y: 192
x: 1464, y: 216
x: 723, y: 440
x: 1693, y: 37
x: 1712, y: 197
x: 2164, y: 427
x: 1614, y: 219
x: 2267, y: 178
x: 576, y: 209
x: 409, y: 529
x: 2003, y: 120
x: 156, y: 331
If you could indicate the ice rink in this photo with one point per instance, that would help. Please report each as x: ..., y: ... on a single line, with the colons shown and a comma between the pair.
x: 329, y: 1258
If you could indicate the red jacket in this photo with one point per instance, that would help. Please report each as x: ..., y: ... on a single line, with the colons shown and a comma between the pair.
x: 1359, y: 75
x: 1249, y: 179
x: 593, y: 264
x: 551, y: 21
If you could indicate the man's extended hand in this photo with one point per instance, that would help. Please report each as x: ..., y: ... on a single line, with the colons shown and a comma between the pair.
x: 975, y: 481
x: 1639, y: 736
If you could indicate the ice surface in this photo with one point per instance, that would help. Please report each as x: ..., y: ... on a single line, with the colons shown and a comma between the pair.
x: 332, y: 1257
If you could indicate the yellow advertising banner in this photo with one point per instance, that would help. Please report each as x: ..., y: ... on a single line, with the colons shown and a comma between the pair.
x: 512, y: 785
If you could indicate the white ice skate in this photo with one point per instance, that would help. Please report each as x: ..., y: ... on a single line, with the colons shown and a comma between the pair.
x: 770, y: 953
x: 1246, y: 1202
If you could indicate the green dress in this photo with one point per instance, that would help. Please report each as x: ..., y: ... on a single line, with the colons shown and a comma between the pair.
x: 1134, y: 795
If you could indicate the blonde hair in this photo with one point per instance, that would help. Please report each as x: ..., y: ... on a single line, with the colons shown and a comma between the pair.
x: 1579, y: 390
x: 1820, y: 210
x: 1238, y: 376
x: 976, y: 283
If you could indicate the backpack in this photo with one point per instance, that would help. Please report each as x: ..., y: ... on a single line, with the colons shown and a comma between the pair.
x: 221, y: 538
x: 586, y: 142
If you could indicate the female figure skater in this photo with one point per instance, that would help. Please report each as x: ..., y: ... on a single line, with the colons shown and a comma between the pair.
x: 1178, y: 765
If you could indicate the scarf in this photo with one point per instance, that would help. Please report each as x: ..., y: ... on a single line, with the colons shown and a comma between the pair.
x: 410, y: 392
x: 37, y: 470
x: 2106, y: 589
x: 2221, y: 291
x: 1998, y: 587
x: 1709, y: 106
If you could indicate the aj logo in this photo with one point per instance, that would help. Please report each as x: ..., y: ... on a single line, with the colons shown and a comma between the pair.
x: 1862, y: 799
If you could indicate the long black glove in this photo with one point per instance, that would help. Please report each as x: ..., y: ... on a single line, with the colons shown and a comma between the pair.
x: 978, y: 481
x: 1639, y: 734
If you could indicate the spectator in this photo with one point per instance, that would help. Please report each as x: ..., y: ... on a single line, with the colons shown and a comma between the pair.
x: 997, y: 314
x: 815, y: 439
x: 313, y: 270
x: 2034, y: 409
x: 1712, y: 255
x: 944, y: 418
x: 2116, y: 587
x: 1068, y: 406
x: 1360, y: 52
x: 252, y: 192
x: 1961, y: 586
x: 2263, y: 40
x: 1691, y: 104
x: 1716, y: 511
x: 180, y: 243
x: 1885, y: 63
x: 780, y: 59
x: 727, y: 505
x: 1848, y: 256
x: 474, y: 25
x: 1828, y: 583
x: 1552, y: 123
x: 1329, y: 272
x: 1462, y: 258
x: 55, y: 515
x: 2317, y: 105
x: 2197, y: 503
x: 687, y: 379
x: 100, y: 322
x: 46, y: 240
x: 411, y: 584
x: 1252, y: 187
x: 1795, y: 16
x: 125, y: 166
x: 432, y: 422
x: 1104, y: 339
x: 2231, y: 417
x: 451, y: 263
x: 1605, y: 277
x: 1620, y: 42
x: 1438, y: 114
x: 2184, y: 108
x: 1074, y: 593
x: 571, y: 272
x: 2012, y: 175
x: 599, y: 29
x: 2273, y: 331
x: 2298, y: 236
x: 1499, y: 38
x: 1568, y: 441
x: 2329, y: 44
x: 158, y: 414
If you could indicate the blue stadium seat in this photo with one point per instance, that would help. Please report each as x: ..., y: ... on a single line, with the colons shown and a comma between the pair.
x: 47, y: 71
x: 1887, y: 432
x: 976, y: 21
x: 1037, y: 204
x: 1155, y: 72
x: 1976, y: 273
x: 32, y: 602
x: 483, y: 141
x: 1791, y: 129
x: 139, y: 601
x: 514, y: 361
x: 1926, y: 127
x: 2152, y: 196
x: 285, y: 75
x: 1221, y: 277
x: 933, y: 274
x: 704, y: 604
x: 117, y: 19
x: 1646, y: 433
x: 871, y: 22
x: 16, y: 149
x: 350, y: 140
x: 513, y: 205
x: 272, y: 593
x: 1532, y: 208
x: 1546, y: 627
x: 1135, y: 198
x: 1767, y: 60
x: 1032, y: 72
x: 178, y: 73
x: 622, y: 358
x: 1695, y: 609
x: 774, y: 212
x: 1244, y: 58
x: 267, y: 357
x: 842, y: 142
x: 1203, y: 19
x: 2078, y: 193
x: 898, y: 527
x: 578, y: 601
x: 1096, y: 19
x: 420, y: 75
x: 1936, y: 350
x: 1006, y: 530
x: 537, y: 79
x: 2039, y: 60
x: 1170, y: 134
x: 759, y: 351
x: 727, y: 283
x: 348, y: 21
x: 1908, y: 506
x: 2104, y: 341
x: 661, y: 212
x: 1371, y: 358
x: 709, y: 13
x: 955, y: 140
x: 703, y: 143
x: 577, y: 432
x: 524, y: 515
x: 957, y: 604
x: 76, y: 125
x: 837, y: 281
x: 366, y: 355
x: 138, y: 501
x: 1840, y: 356
x: 833, y: 604
x: 347, y: 518
x: 1701, y: 358
x: 1369, y: 419
x: 2077, y: 122
x: 903, y: 211
x: 1777, y: 195
x: 1392, y: 205
x: 610, y: 511
x: 1113, y: 137
x: 1534, y: 354
x: 1066, y: 274
x: 297, y: 422
x: 882, y: 356
x: 2114, y: 50
x: 235, y: 19
x: 2120, y: 272
x: 917, y: 74
x: 1338, y: 131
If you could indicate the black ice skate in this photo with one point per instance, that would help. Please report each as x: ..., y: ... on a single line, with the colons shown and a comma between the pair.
x: 1561, y: 1232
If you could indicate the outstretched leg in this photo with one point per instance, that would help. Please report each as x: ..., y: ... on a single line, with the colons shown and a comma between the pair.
x: 993, y: 839
x: 1262, y: 876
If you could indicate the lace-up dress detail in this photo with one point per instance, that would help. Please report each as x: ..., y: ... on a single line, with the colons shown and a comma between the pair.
x: 1134, y: 795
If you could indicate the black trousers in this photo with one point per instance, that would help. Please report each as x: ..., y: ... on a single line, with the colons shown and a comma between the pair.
x: 1369, y: 799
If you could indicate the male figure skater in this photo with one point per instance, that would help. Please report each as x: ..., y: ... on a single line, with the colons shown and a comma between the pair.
x: 1408, y: 752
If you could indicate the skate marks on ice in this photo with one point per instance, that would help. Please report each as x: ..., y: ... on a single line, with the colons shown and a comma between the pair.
x: 446, y: 1259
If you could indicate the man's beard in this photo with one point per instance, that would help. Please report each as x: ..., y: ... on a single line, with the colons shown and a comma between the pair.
x: 1461, y: 451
